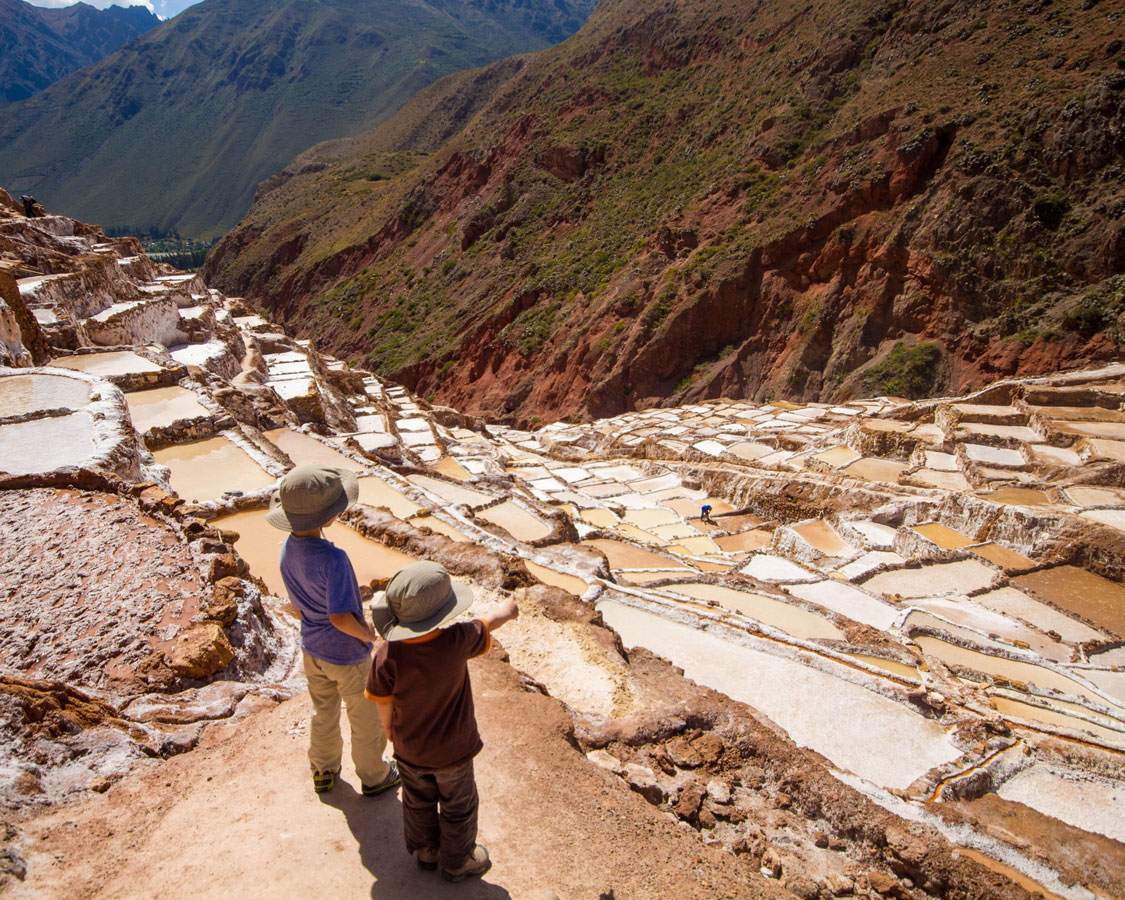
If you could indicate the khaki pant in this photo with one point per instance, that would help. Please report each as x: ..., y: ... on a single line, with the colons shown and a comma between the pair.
x: 328, y: 685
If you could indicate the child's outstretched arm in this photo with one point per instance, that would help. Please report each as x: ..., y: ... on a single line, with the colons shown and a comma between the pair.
x: 505, y: 612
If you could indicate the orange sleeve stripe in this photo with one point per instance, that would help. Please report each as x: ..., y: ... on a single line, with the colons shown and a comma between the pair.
x: 487, y: 638
x: 371, y: 696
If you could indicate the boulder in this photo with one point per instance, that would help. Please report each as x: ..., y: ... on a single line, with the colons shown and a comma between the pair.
x: 200, y: 651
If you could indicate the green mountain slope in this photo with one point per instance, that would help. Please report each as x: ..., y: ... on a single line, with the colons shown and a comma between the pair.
x: 708, y: 198
x: 176, y: 129
x: 42, y: 45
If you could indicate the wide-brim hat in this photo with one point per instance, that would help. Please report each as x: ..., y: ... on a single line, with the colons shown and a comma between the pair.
x: 418, y: 599
x: 309, y: 496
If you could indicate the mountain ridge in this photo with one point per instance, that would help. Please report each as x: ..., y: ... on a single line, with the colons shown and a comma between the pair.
x: 175, y: 130
x: 624, y: 224
x: 42, y: 45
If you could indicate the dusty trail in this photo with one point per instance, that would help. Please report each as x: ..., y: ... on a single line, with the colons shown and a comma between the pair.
x: 237, y: 818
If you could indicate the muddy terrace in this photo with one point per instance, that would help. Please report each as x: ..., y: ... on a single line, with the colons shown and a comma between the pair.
x: 891, y: 664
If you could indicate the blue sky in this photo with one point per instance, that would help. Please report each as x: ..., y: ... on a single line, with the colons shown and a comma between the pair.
x: 163, y: 8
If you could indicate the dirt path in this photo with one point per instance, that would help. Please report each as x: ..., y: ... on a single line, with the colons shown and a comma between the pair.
x: 237, y: 818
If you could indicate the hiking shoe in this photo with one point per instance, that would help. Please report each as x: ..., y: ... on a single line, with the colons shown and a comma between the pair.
x: 428, y: 858
x: 476, y: 863
x: 393, y: 779
x: 323, y: 782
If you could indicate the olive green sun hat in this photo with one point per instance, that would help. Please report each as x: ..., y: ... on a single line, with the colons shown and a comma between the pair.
x: 418, y: 599
x: 309, y: 496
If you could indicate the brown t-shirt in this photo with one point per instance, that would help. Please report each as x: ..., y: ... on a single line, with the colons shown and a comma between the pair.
x: 427, y: 679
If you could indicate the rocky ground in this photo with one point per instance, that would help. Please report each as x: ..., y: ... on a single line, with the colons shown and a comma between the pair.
x: 890, y: 663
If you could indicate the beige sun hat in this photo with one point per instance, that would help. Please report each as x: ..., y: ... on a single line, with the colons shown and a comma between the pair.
x: 418, y: 599
x: 309, y: 496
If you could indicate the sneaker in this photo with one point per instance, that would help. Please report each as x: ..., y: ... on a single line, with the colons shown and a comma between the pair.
x: 476, y: 863
x: 323, y: 782
x: 428, y: 858
x: 393, y: 779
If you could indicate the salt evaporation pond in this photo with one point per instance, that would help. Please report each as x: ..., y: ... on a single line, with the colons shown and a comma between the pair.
x: 1082, y: 800
x: 308, y: 451
x: 23, y: 394
x: 848, y: 601
x: 964, y: 576
x: 1014, y: 670
x: 789, y: 618
x: 453, y: 493
x: 517, y: 521
x: 1017, y: 604
x: 626, y: 556
x: 259, y: 543
x: 204, y: 470
x: 876, y: 738
x: 42, y: 445
x: 160, y: 407
x: 570, y: 583
x: 822, y: 536
x: 373, y: 491
x: 1094, y: 598
x: 1091, y: 724
x: 440, y: 526
x: 115, y: 362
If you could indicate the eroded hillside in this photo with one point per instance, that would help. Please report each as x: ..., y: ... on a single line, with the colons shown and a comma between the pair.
x: 705, y: 199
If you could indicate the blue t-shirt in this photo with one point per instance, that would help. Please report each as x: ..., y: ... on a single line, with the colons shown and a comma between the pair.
x: 321, y: 582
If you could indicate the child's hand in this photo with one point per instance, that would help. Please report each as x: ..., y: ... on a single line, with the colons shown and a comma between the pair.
x: 505, y: 612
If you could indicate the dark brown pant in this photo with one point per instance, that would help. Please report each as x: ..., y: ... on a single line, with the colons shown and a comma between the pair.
x: 439, y: 809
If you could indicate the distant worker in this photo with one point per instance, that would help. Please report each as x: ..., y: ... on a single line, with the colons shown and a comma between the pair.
x: 28, y: 205
x: 336, y: 642
x: 705, y: 514
x: 420, y: 684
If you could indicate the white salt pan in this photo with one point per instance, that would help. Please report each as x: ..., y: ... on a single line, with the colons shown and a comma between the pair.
x: 877, y: 739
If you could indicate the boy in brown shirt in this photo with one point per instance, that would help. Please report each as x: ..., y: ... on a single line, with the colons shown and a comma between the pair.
x: 419, y: 680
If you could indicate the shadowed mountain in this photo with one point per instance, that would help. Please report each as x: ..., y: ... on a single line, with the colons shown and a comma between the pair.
x: 176, y: 129
x: 717, y: 198
x: 42, y: 45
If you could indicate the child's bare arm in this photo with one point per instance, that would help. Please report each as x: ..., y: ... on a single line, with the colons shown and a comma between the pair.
x: 386, y: 714
x: 505, y: 612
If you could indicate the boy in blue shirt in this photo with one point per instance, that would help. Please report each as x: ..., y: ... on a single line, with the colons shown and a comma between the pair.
x: 336, y: 642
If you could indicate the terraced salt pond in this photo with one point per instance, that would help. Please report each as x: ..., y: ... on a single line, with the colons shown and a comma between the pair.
x: 1088, y: 595
x: 204, y: 470
x: 106, y: 365
x: 517, y: 521
x: 789, y: 618
x: 880, y: 740
x: 625, y: 556
x: 308, y: 451
x: 374, y: 491
x: 547, y: 575
x: 1011, y: 669
x: 160, y: 407
x: 1082, y: 800
x: 42, y: 445
x: 965, y: 576
x: 25, y: 394
x: 453, y: 493
x: 1112, y: 733
x: 259, y: 543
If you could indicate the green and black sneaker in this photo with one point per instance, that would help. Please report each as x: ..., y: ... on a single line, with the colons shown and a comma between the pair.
x: 323, y: 782
x: 393, y: 779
